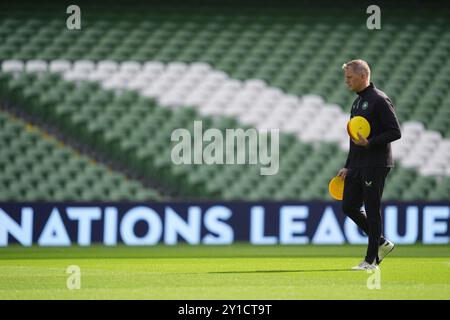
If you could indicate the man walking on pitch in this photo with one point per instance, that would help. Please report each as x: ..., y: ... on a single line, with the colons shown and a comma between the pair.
x: 369, y: 161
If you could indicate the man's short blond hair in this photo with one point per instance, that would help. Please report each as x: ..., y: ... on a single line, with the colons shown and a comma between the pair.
x: 358, y: 66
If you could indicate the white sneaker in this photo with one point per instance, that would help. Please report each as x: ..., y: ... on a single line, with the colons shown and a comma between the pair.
x: 384, y: 250
x: 364, y: 265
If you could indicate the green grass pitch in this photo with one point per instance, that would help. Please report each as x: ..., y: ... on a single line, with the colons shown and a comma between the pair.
x: 240, y: 271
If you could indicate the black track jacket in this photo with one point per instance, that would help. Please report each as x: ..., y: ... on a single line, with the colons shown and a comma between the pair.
x: 374, y: 105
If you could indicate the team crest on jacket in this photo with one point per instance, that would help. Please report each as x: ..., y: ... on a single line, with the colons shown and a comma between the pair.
x: 365, y: 105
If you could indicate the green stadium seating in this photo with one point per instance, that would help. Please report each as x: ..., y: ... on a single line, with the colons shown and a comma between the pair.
x: 286, y: 47
x: 35, y: 167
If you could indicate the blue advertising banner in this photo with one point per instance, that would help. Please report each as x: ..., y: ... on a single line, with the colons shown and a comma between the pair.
x: 212, y: 223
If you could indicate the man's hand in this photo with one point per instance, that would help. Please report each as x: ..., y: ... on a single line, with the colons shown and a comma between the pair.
x: 342, y: 173
x: 362, y: 142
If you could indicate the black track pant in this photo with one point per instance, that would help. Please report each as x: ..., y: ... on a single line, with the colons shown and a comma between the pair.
x: 365, y: 186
